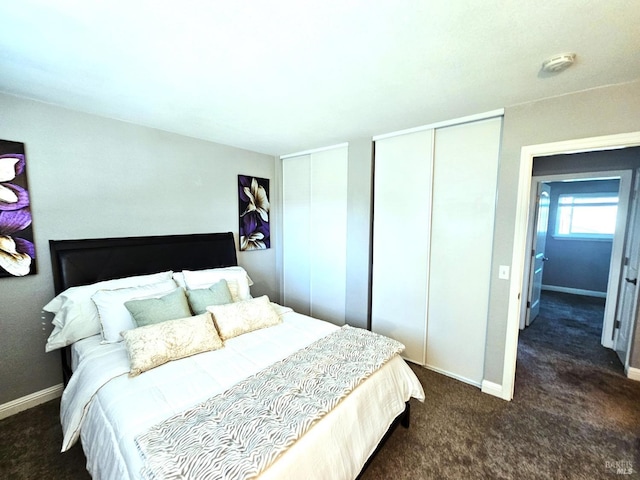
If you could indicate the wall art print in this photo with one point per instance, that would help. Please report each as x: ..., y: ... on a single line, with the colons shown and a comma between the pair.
x: 253, y: 203
x: 17, y: 252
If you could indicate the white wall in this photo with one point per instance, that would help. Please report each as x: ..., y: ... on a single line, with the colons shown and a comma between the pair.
x: 93, y: 177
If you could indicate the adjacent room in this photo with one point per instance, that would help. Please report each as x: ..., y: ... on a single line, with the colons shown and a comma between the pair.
x: 338, y: 240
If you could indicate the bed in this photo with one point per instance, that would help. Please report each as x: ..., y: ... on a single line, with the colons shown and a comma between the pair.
x: 203, y: 414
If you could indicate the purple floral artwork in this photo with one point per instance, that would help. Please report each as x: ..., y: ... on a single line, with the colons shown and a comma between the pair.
x: 253, y: 203
x: 17, y: 252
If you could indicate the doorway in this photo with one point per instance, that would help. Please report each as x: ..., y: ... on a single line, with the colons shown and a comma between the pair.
x: 579, y: 233
x: 572, y: 264
x: 520, y: 251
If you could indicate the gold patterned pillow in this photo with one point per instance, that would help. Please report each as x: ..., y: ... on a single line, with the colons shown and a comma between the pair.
x: 245, y: 316
x: 154, y: 345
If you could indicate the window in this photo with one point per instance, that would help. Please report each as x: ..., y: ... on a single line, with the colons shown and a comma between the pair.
x: 587, y: 215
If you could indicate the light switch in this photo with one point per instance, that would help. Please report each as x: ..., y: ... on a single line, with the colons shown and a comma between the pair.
x: 503, y: 272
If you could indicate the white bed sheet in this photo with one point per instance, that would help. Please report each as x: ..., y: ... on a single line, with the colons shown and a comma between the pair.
x: 126, y: 407
x: 82, y: 348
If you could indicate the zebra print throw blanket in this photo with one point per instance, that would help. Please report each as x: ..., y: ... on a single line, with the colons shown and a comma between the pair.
x: 239, y: 433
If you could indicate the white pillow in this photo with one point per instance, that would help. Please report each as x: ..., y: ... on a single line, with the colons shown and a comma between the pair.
x: 76, y: 314
x: 234, y: 319
x: 236, y: 277
x: 178, y: 277
x: 114, y: 316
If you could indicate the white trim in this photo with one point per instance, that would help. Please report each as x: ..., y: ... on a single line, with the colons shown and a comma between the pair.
x: 31, y: 400
x: 607, y: 142
x: 633, y: 374
x: 452, y: 375
x: 493, y: 389
x: 428, y: 217
x: 591, y: 144
x: 314, y: 150
x: 447, y: 123
x: 617, y: 255
x: 575, y: 291
x: 516, y: 297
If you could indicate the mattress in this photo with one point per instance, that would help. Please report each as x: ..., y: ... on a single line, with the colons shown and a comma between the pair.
x: 120, y: 408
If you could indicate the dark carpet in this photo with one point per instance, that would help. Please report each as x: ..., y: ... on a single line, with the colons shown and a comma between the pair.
x: 574, y: 416
x: 30, y: 444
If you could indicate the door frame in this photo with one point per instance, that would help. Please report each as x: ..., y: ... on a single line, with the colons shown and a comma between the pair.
x: 632, y: 236
x: 519, y: 254
x: 617, y: 247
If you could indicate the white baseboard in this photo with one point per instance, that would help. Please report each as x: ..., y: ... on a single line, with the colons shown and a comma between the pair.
x: 29, y: 401
x: 452, y: 375
x: 494, y: 389
x: 633, y: 374
x: 485, y: 386
x: 575, y: 291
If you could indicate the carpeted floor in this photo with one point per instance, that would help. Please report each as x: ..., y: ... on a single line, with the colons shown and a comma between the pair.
x: 574, y: 416
x: 30, y: 447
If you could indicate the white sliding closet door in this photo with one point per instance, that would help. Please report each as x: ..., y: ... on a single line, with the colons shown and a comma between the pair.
x: 464, y: 196
x: 296, y: 199
x: 315, y: 233
x: 329, y: 234
x: 401, y: 228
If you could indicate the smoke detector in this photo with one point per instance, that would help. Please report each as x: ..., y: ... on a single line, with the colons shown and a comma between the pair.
x: 559, y: 63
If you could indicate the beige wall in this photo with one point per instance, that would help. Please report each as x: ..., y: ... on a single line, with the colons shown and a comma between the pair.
x: 93, y: 177
x: 602, y: 111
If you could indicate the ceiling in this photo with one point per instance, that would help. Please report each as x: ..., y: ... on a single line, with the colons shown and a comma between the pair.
x: 282, y: 76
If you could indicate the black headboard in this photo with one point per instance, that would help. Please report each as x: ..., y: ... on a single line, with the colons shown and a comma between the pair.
x: 81, y: 262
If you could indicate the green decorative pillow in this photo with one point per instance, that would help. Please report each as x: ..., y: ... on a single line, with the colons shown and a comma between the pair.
x: 216, y: 294
x: 148, y: 311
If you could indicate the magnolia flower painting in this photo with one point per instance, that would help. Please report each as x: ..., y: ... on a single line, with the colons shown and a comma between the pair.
x: 253, y: 202
x: 17, y: 252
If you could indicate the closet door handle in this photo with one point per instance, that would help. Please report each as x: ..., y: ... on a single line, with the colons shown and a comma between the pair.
x: 634, y: 280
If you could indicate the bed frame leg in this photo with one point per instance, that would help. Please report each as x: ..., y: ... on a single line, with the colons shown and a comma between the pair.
x: 65, y: 356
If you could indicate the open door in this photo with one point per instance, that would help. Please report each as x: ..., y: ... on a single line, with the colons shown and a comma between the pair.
x: 537, y: 252
x: 628, y: 294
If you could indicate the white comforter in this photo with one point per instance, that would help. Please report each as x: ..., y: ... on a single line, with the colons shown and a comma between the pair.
x: 108, y: 409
